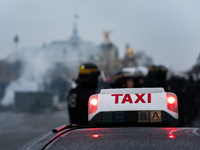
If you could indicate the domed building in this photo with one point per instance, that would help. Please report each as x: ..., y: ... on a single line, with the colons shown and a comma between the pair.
x: 49, y: 67
x: 72, y: 51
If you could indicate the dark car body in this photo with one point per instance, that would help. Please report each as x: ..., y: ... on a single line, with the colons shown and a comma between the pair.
x: 118, y: 138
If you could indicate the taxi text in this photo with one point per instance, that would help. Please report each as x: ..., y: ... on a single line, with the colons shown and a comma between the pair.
x: 128, y: 98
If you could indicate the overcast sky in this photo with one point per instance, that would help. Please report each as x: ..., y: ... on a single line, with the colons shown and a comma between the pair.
x: 168, y: 31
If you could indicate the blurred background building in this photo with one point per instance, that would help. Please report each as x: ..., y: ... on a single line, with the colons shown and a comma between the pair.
x: 53, y: 67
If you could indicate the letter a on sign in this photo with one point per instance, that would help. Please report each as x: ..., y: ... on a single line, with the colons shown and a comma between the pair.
x: 155, y: 115
x: 127, y: 98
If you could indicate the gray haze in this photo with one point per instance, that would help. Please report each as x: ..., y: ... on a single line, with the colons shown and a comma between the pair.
x: 31, y: 79
x: 168, y: 31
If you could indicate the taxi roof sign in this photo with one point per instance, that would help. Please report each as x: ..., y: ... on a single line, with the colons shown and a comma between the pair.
x: 128, y: 100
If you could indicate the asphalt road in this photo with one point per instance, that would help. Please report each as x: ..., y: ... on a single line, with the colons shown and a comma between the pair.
x: 17, y: 129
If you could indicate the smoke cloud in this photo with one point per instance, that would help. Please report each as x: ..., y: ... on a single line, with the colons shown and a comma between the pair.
x: 31, y: 79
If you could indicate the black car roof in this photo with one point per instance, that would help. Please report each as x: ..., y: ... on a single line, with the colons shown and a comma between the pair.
x: 122, y: 138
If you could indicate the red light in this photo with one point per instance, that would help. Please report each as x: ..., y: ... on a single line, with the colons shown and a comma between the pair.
x: 107, y: 79
x: 96, y: 135
x: 171, y: 100
x: 92, y: 105
x: 172, y: 103
x: 172, y: 132
x: 93, y: 101
x: 171, y: 136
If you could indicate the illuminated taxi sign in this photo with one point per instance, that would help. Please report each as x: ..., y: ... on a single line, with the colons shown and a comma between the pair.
x: 141, y: 105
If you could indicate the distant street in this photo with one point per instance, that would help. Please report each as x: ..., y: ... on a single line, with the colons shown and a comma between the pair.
x: 17, y: 129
